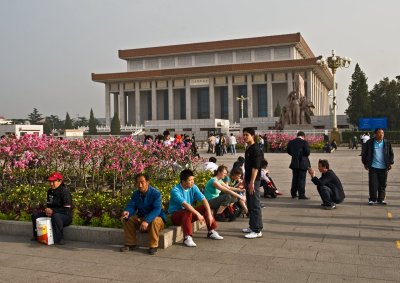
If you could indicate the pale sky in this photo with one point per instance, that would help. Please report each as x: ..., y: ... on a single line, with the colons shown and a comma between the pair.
x: 49, y: 48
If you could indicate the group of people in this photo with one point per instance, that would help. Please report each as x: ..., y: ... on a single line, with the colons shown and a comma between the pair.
x: 219, y: 144
x: 144, y: 210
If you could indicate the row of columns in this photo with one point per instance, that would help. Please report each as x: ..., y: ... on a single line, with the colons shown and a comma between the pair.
x: 120, y: 99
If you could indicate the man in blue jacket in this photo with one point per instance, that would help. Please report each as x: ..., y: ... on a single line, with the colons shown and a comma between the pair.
x: 378, y: 159
x: 143, y: 212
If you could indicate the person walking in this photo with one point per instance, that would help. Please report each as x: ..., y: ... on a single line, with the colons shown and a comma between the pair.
x: 378, y: 159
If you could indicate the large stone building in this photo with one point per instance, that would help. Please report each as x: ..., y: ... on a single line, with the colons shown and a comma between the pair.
x: 195, y: 87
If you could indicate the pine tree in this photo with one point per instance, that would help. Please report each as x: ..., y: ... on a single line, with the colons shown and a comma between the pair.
x: 358, y: 99
x: 278, y: 110
x: 92, y: 124
x: 47, y: 126
x: 115, y: 125
x: 68, y: 122
x: 35, y: 117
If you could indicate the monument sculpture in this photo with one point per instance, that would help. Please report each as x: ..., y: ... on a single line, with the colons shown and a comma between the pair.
x: 298, y: 110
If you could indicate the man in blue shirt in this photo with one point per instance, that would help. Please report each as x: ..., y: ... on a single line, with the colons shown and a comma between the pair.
x: 143, y: 212
x: 378, y: 160
x: 183, y: 197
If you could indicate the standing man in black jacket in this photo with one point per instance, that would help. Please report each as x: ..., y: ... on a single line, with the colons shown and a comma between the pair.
x: 378, y: 160
x: 299, y: 150
x: 59, y: 208
x: 329, y: 186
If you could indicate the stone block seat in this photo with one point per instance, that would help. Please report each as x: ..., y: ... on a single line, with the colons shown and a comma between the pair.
x: 112, y: 236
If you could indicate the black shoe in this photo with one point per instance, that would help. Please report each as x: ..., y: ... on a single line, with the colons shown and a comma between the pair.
x: 382, y: 202
x: 330, y: 207
x: 303, y: 197
x: 294, y: 196
x: 33, y: 239
x: 61, y: 242
x: 152, y: 251
x: 128, y: 248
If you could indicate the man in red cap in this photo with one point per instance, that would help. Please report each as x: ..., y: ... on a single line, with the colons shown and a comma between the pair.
x: 59, y: 208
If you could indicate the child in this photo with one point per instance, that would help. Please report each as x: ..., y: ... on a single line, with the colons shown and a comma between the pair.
x: 235, y: 180
x: 270, y: 190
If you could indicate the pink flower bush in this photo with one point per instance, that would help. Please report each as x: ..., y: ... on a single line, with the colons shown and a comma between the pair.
x: 89, y: 163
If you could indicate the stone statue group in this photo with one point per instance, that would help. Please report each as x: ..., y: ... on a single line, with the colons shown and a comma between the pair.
x: 298, y: 110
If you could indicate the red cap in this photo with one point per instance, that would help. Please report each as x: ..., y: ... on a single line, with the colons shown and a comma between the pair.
x: 55, y: 176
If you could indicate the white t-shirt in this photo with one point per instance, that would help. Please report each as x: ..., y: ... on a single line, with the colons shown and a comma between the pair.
x: 365, y: 138
x: 211, y: 166
x: 232, y: 140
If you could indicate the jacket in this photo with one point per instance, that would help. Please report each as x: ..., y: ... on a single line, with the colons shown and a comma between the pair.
x: 332, y: 181
x: 367, y: 154
x: 299, y: 150
x: 147, y: 207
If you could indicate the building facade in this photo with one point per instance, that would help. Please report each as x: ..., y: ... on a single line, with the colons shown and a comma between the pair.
x: 202, y: 83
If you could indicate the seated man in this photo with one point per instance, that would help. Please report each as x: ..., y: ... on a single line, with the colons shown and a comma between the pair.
x: 143, y: 212
x: 183, y: 196
x: 59, y: 203
x: 329, y: 186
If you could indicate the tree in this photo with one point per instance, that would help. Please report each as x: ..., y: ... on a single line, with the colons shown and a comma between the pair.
x: 358, y: 98
x: 278, y: 110
x: 92, y: 124
x: 47, y: 126
x: 68, y: 122
x: 115, y: 125
x: 81, y: 122
x: 385, y: 101
x: 35, y: 117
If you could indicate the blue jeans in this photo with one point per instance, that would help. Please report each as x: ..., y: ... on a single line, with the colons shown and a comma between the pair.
x: 326, y: 195
x: 233, y: 149
x: 254, y: 207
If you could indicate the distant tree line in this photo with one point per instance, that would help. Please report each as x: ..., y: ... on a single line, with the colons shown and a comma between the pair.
x: 382, y: 101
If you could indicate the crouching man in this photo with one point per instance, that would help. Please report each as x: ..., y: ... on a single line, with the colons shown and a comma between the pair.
x: 143, y: 212
x: 183, y: 197
x: 58, y: 207
x: 329, y: 186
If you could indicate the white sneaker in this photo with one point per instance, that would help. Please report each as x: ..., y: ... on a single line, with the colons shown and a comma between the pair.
x: 189, y: 242
x: 247, y: 230
x: 214, y: 235
x: 253, y: 235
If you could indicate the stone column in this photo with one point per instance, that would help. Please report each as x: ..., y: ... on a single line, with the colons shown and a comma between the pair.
x: 249, y: 96
x: 188, y: 100
x: 122, y: 105
x: 309, y: 85
x: 289, y: 81
x: 116, y: 104
x: 107, y: 104
x: 211, y: 97
x: 153, y: 101
x: 269, y: 96
x: 230, y: 99
x: 137, y: 104
x: 170, y: 101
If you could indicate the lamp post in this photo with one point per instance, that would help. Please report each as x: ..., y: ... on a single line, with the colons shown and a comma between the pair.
x: 333, y: 62
x: 241, y: 99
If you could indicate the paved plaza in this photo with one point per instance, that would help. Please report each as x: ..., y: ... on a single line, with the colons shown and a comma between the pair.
x: 300, y: 243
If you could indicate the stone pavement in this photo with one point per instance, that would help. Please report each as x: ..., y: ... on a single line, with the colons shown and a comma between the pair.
x: 300, y: 243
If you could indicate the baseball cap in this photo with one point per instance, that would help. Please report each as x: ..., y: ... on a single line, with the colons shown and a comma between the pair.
x: 55, y: 176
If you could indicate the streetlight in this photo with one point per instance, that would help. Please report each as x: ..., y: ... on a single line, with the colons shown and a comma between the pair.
x: 241, y: 99
x: 333, y: 62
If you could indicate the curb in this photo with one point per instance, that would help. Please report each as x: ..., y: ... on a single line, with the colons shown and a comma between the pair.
x: 112, y: 236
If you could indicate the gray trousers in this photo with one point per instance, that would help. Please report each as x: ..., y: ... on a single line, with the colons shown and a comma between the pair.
x: 221, y: 200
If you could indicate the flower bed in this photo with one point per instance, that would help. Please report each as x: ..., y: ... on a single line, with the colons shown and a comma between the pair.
x: 99, y: 173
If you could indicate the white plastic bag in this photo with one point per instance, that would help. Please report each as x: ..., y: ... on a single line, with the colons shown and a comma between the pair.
x: 44, y: 231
